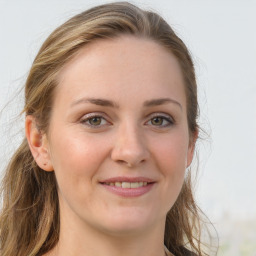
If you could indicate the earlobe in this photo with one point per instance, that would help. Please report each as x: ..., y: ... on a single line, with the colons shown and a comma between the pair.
x: 38, y: 144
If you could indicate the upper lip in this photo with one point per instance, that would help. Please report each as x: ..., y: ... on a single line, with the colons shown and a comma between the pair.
x: 127, y: 179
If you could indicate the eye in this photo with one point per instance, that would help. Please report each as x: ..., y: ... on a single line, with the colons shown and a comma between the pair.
x: 93, y: 120
x: 161, y: 121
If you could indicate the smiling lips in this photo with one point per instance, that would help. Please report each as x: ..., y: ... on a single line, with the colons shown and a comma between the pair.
x: 128, y: 187
x: 127, y: 184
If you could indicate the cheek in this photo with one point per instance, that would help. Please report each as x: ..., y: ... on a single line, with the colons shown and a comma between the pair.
x: 172, y: 151
x: 76, y: 161
x: 76, y: 158
x: 171, y: 158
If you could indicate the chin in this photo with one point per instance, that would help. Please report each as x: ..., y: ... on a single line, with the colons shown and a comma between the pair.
x: 125, y: 229
x: 129, y: 222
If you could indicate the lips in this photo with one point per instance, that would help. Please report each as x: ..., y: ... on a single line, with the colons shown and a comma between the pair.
x: 128, y: 186
x: 127, y: 179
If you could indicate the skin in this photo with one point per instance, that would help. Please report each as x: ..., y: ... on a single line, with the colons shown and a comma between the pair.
x: 126, y: 139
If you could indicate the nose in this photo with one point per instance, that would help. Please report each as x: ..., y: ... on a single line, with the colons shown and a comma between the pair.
x: 130, y: 147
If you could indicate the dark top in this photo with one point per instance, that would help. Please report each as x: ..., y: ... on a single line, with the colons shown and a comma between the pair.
x: 184, y: 251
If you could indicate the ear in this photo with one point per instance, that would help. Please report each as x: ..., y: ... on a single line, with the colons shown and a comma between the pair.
x: 191, y: 147
x: 38, y: 144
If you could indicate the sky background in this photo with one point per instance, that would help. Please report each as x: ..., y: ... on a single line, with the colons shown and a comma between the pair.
x: 221, y: 36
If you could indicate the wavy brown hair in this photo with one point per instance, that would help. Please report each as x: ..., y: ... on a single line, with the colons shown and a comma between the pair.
x: 29, y: 221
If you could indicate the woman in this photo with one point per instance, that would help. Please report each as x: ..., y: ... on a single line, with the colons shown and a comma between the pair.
x: 111, y: 125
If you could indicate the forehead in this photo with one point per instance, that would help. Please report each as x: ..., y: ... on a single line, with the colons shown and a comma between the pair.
x: 121, y: 65
x: 122, y: 47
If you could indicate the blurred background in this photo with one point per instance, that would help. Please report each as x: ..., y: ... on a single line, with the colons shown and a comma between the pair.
x: 221, y: 36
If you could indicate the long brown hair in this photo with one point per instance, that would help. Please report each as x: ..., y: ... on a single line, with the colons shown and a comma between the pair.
x: 29, y: 221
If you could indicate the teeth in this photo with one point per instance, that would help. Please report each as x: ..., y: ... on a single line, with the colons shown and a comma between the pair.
x: 128, y: 184
x: 118, y: 184
x: 135, y: 185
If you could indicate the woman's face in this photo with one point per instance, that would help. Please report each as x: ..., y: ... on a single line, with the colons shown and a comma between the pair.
x: 118, y: 139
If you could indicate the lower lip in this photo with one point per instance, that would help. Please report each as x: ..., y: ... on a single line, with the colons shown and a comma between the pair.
x: 129, y: 192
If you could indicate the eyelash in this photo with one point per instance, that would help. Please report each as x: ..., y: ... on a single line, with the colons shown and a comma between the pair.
x: 164, y: 118
x: 91, y: 116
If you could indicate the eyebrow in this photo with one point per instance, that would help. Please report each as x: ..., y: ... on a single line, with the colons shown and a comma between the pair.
x: 99, y: 102
x: 108, y: 103
x: 162, y: 101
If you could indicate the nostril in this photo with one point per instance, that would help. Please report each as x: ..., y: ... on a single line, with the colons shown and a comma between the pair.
x: 123, y: 162
x: 129, y: 155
